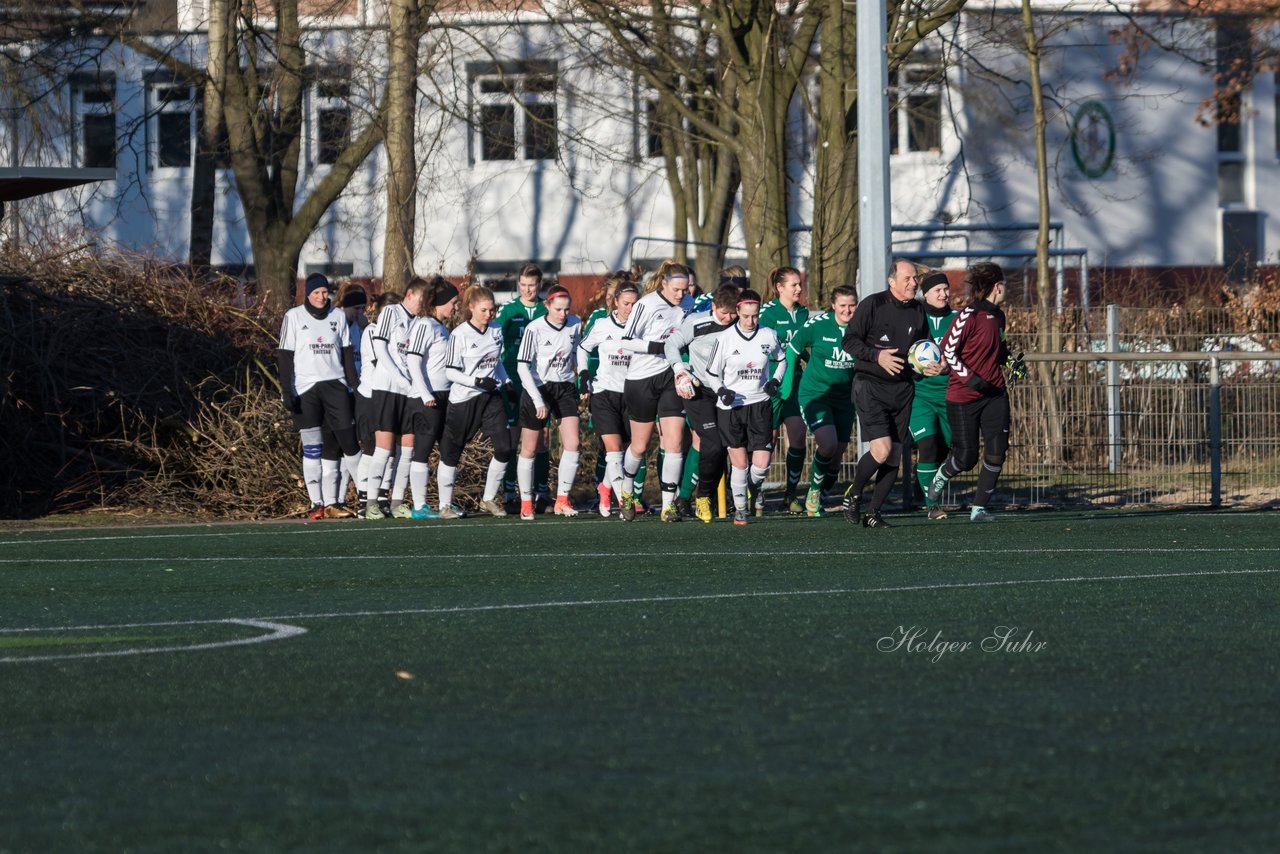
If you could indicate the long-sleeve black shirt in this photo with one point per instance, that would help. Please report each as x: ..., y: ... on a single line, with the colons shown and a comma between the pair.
x: 882, y: 322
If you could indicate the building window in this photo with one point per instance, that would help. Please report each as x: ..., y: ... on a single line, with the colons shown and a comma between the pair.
x: 915, y: 106
x: 1233, y: 62
x: 171, y: 121
x: 331, y: 111
x: 516, y: 116
x: 94, y: 100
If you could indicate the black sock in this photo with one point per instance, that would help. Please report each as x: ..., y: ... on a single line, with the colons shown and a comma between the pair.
x: 867, y: 466
x: 887, y: 477
x: 987, y: 477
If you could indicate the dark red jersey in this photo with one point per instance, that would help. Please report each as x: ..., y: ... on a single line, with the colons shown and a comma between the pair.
x: 976, y: 352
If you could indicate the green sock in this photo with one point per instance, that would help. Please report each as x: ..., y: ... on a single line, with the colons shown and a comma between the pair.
x: 542, y: 473
x: 689, y: 477
x: 640, y: 473
x: 795, y: 468
x: 818, y: 471
x: 924, y: 474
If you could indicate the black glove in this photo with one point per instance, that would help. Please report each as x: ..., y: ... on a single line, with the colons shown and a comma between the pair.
x: 486, y: 383
x: 978, y: 384
x: 292, y: 402
x: 584, y: 381
x: 1017, y: 368
x: 657, y: 348
x: 772, y: 386
x: 726, y: 397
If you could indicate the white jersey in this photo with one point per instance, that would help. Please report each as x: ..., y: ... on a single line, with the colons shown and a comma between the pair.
x: 652, y: 319
x: 605, y: 336
x: 743, y: 365
x: 393, y: 327
x: 548, y: 354
x: 316, y: 345
x: 473, y: 353
x: 696, y: 336
x: 429, y: 339
x: 369, y: 364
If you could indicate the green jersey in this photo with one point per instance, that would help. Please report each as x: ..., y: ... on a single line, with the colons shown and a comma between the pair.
x: 830, y: 368
x: 593, y: 356
x: 512, y: 319
x: 935, y: 388
x: 775, y: 315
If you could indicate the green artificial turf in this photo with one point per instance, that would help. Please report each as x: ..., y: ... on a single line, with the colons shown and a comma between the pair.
x: 593, y: 685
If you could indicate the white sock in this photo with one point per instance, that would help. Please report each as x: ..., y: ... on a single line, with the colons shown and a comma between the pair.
x: 444, y: 483
x: 362, y: 477
x: 350, y: 472
x: 329, y: 481
x: 401, y: 481
x: 738, y: 484
x: 378, y: 465
x: 388, y: 471
x: 613, y: 471
x: 567, y: 473
x: 757, y: 477
x: 419, y: 475
x: 672, y: 469
x: 524, y: 477
x: 493, y: 482
x: 630, y: 465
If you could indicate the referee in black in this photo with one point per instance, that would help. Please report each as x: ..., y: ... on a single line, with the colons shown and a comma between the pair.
x: 884, y: 327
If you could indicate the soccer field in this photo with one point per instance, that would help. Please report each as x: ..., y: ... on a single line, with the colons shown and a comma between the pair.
x: 592, y: 685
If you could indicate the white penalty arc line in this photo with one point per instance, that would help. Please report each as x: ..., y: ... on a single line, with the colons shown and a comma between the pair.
x: 276, y: 631
x: 427, y: 555
x: 276, y: 622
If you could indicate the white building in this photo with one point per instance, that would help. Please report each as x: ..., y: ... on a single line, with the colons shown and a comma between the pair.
x: 1135, y: 179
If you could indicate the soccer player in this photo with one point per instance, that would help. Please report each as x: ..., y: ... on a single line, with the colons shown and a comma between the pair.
x: 883, y: 328
x: 317, y: 374
x: 785, y: 315
x: 608, y: 409
x: 976, y: 353
x: 930, y: 429
x: 393, y: 410
x: 650, y: 389
x: 549, y: 365
x: 747, y: 363
x: 479, y: 382
x: 365, y: 488
x: 512, y: 319
x: 696, y: 336
x: 824, y: 390
x: 353, y: 300
x: 428, y: 352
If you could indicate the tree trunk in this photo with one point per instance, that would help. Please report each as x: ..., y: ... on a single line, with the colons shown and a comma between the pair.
x: 204, y: 174
x: 1047, y: 320
x: 275, y: 265
x: 833, y: 256
x: 402, y: 171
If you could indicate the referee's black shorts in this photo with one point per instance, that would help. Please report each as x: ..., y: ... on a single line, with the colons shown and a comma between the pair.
x: 653, y: 397
x: 484, y: 412
x: 749, y: 426
x: 884, y: 408
x: 609, y: 415
x: 561, y: 400
x: 326, y: 404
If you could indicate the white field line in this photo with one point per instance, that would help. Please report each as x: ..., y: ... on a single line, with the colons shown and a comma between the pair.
x: 629, y: 600
x: 300, y: 528
x: 278, y: 631
x: 563, y: 555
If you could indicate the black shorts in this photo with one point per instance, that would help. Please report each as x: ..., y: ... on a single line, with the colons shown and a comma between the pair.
x: 700, y: 410
x: 609, y: 415
x: 561, y: 400
x: 653, y: 397
x: 884, y: 409
x: 988, y: 417
x: 464, y: 420
x: 389, y: 412
x: 364, y: 423
x: 428, y: 421
x: 749, y: 426
x: 326, y: 404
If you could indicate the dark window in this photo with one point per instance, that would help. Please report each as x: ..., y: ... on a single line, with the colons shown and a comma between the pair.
x: 924, y: 122
x: 335, y: 133
x: 498, y: 132
x: 170, y: 94
x: 174, y: 132
x: 540, y: 138
x: 653, y: 135
x: 1231, y: 182
x: 98, y: 147
x: 333, y: 89
x: 97, y: 95
x: 492, y: 86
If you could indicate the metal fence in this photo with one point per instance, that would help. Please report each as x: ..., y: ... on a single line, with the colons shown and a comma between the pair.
x: 1140, y: 407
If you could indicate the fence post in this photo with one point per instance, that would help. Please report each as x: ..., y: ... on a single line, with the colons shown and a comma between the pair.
x: 1215, y: 436
x: 1113, y: 390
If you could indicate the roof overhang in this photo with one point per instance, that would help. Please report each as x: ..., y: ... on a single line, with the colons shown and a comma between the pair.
x: 23, y: 182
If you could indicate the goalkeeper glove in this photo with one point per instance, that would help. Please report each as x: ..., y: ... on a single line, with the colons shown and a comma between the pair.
x: 1017, y: 368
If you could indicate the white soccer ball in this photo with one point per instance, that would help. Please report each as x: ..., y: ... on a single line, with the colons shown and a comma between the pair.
x: 923, y: 353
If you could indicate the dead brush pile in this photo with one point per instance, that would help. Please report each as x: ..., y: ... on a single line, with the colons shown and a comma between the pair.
x: 125, y: 385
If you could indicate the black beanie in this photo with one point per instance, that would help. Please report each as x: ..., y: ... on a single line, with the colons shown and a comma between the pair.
x: 315, y: 280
